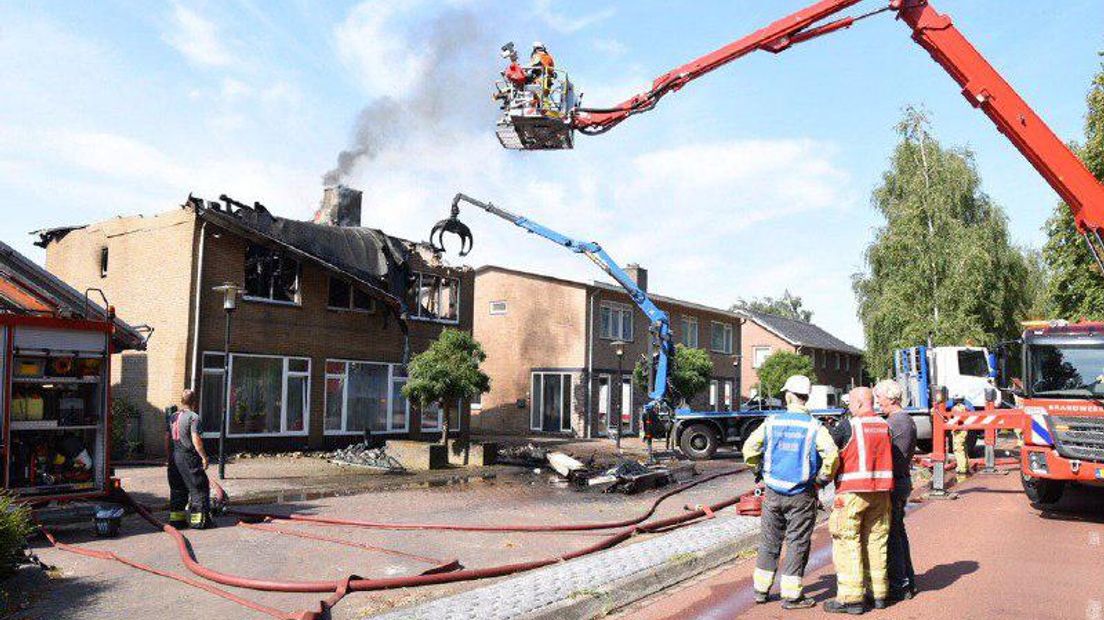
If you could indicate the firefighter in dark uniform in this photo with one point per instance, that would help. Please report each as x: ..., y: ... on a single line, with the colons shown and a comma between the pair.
x: 189, y: 489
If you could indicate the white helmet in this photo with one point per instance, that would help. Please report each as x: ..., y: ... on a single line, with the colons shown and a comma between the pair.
x: 537, y: 45
x: 798, y: 384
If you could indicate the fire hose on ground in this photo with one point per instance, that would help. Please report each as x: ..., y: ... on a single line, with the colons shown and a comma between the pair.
x: 443, y: 573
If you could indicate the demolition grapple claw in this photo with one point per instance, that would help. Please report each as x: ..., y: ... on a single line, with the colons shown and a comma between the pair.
x: 453, y: 225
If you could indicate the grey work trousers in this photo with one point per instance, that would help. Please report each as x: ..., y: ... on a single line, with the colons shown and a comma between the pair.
x: 788, y: 518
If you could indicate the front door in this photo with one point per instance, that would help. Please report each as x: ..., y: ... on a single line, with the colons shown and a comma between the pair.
x: 628, y: 420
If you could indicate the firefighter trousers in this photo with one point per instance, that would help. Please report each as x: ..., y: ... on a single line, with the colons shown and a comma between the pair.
x: 188, y: 489
x: 859, y: 525
x: 789, y: 519
x: 962, y: 458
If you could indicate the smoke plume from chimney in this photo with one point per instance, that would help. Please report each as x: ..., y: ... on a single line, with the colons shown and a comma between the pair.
x: 459, y: 70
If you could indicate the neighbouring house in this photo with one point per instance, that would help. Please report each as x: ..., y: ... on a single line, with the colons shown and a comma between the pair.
x: 837, y: 363
x: 550, y: 356
x: 317, y: 340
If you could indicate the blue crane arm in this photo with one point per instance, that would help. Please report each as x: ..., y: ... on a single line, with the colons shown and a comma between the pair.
x: 659, y: 323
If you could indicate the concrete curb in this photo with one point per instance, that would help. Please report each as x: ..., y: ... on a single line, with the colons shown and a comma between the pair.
x: 624, y: 592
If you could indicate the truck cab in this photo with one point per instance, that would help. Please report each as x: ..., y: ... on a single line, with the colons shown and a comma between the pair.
x: 966, y: 371
x: 1061, y: 391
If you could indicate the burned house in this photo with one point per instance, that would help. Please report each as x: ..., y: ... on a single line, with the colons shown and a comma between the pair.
x: 329, y: 312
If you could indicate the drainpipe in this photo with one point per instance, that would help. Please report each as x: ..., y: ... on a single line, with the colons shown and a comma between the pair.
x: 588, y: 432
x: 193, y: 384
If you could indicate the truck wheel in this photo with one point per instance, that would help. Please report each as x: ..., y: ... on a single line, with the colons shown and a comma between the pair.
x: 699, y: 442
x: 1042, y: 490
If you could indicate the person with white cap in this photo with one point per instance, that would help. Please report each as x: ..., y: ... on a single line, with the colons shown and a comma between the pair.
x: 797, y: 456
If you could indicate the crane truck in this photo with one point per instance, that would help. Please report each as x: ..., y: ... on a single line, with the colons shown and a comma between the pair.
x: 1062, y: 411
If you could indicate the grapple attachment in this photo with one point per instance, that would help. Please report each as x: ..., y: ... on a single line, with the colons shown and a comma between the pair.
x: 453, y: 225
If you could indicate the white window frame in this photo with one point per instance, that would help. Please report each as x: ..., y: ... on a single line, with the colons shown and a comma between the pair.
x: 605, y: 404
x: 503, y: 307
x: 714, y: 395
x: 533, y: 395
x: 728, y: 388
x: 416, y: 306
x: 727, y: 337
x: 440, y: 417
x: 623, y: 312
x: 392, y: 376
x: 286, y: 374
x: 755, y: 361
x: 689, y: 325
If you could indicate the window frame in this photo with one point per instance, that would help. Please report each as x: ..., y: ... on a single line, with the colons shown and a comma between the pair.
x: 352, y: 298
x: 105, y: 256
x: 392, y: 376
x: 727, y: 337
x: 755, y: 350
x: 297, y: 302
x: 415, y: 293
x: 502, y: 312
x: 685, y: 321
x: 565, y: 411
x: 286, y: 373
x: 622, y: 310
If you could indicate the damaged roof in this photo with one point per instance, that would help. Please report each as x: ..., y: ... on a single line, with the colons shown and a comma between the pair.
x: 27, y: 288
x: 366, y: 255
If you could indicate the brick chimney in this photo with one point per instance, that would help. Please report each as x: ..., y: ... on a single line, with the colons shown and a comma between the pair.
x: 340, y: 206
x: 638, y: 275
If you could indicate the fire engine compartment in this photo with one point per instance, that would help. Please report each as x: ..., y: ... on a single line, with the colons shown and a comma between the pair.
x: 55, y: 421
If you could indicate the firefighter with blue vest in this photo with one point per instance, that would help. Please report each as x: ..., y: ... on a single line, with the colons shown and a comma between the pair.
x: 796, y: 456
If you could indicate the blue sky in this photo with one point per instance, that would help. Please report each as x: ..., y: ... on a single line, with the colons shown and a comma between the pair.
x: 752, y: 180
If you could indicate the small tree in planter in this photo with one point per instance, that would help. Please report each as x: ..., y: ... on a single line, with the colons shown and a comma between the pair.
x: 446, y: 372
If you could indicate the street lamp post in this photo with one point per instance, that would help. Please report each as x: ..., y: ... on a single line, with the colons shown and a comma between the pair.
x: 737, y: 387
x: 230, y: 294
x: 619, y: 351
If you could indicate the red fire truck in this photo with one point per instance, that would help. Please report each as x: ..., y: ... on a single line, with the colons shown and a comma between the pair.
x: 55, y: 398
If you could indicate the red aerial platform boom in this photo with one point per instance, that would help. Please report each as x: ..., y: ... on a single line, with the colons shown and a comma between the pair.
x: 981, y: 84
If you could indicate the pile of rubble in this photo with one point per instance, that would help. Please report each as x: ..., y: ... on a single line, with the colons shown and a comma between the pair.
x: 363, y: 455
x: 526, y: 456
x: 626, y: 476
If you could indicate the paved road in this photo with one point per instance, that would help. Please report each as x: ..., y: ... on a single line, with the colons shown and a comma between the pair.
x: 92, y: 588
x: 988, y: 554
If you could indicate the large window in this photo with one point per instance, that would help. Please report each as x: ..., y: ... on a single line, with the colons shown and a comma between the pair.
x: 269, y: 395
x: 550, y: 404
x: 615, y: 322
x: 759, y: 355
x: 720, y: 338
x: 344, y: 296
x: 270, y: 275
x: 689, y: 326
x: 365, y: 394
x: 435, y: 298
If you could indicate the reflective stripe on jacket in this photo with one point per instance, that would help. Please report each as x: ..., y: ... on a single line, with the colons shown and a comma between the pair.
x: 790, y: 458
x: 866, y: 462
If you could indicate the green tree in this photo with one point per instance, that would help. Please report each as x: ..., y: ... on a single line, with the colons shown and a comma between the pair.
x: 788, y: 305
x: 446, y: 372
x: 942, y: 265
x: 689, y: 374
x: 1038, y: 285
x: 1076, y: 289
x: 782, y: 365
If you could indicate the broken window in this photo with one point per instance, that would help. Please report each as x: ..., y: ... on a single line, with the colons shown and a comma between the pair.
x: 271, y: 275
x: 103, y: 262
x: 344, y: 296
x: 435, y: 298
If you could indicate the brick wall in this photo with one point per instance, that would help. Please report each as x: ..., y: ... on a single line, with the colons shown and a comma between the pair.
x: 543, y: 327
x: 148, y: 280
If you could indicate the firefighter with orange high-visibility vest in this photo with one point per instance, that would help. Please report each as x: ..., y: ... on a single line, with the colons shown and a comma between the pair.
x: 860, y: 518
